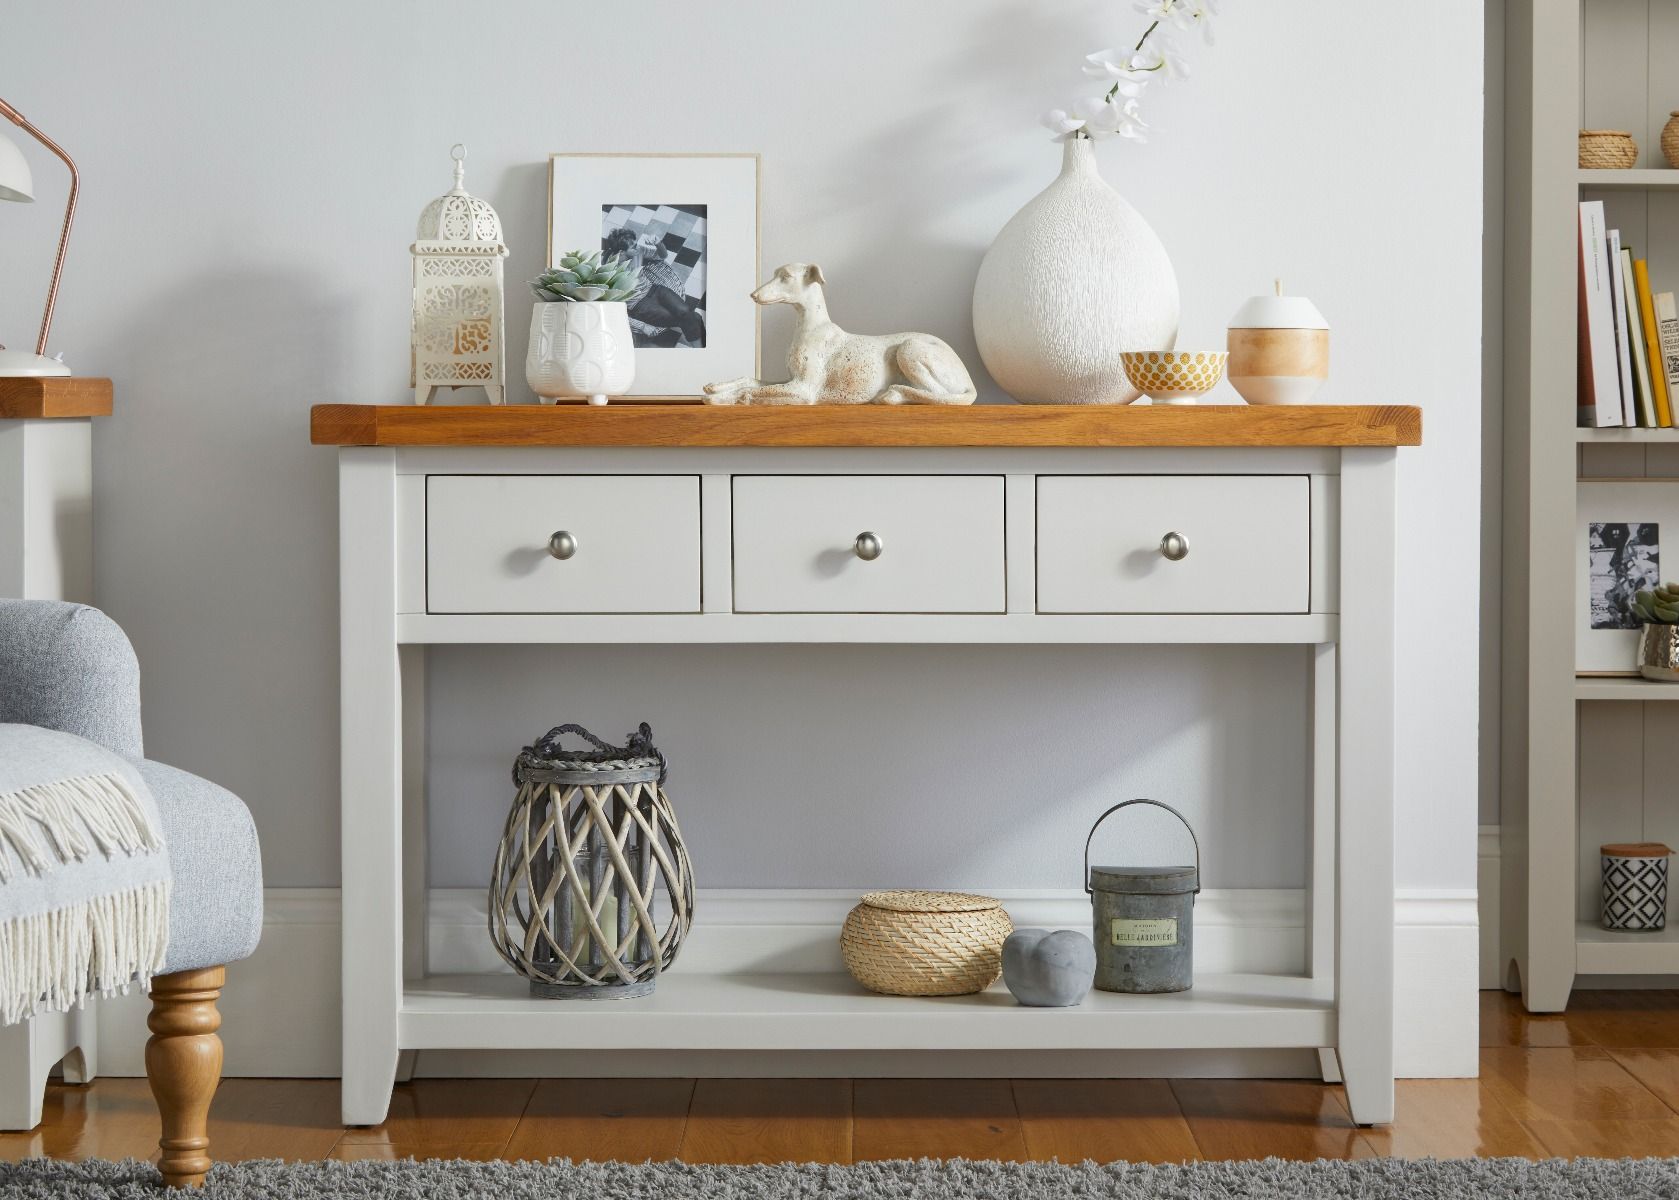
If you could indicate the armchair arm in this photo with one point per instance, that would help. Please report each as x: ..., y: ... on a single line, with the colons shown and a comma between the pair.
x: 69, y: 667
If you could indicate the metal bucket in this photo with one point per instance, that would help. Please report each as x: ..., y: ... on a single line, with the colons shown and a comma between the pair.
x: 1144, y: 918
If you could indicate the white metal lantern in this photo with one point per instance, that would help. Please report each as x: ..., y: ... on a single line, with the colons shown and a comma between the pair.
x: 459, y: 333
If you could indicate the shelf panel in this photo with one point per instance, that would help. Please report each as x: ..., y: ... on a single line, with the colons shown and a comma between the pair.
x: 868, y: 628
x: 1613, y: 436
x: 1589, y: 688
x: 1637, y: 177
x: 832, y: 1012
x: 1599, y: 951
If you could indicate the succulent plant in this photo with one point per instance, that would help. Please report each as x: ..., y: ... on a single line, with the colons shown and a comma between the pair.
x: 583, y: 277
x: 1659, y: 606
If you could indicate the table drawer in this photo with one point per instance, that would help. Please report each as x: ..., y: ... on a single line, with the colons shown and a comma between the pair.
x: 798, y: 543
x: 636, y: 539
x: 1247, y: 543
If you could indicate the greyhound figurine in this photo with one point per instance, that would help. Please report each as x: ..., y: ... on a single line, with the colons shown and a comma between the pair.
x: 830, y: 366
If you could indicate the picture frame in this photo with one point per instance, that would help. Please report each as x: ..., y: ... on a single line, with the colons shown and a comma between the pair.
x: 691, y: 222
x: 1620, y: 525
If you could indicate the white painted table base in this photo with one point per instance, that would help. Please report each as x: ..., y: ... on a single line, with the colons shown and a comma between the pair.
x: 1342, y: 1005
x: 46, y: 553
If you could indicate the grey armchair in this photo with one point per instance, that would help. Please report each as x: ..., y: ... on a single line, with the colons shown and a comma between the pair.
x: 70, y: 667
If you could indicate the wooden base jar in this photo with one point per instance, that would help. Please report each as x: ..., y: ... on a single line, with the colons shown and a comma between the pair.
x: 910, y: 943
x: 1279, y: 349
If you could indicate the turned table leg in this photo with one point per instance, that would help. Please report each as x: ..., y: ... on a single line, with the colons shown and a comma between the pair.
x: 184, y: 1065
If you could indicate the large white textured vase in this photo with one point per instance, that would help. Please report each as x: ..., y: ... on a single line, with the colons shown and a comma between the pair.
x: 580, y: 348
x: 1076, y: 278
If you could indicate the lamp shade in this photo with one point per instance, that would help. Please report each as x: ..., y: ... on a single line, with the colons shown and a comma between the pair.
x: 16, y: 183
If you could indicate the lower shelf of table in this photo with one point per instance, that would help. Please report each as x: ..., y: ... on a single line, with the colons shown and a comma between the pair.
x: 831, y: 1012
x: 1600, y: 951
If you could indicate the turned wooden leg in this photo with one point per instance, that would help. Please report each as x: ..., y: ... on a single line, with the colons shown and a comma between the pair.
x: 184, y: 1065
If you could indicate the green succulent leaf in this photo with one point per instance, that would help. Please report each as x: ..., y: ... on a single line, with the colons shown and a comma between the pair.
x: 582, y: 277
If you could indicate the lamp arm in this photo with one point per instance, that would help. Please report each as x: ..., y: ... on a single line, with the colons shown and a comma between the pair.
x: 18, y: 119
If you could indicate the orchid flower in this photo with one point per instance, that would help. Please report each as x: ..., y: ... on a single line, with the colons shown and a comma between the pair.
x: 1064, y: 125
x: 1155, y: 56
x: 1104, y: 115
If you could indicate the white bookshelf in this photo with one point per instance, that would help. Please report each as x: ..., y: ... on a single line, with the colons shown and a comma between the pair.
x: 1584, y: 760
x: 1638, y: 690
x: 1631, y: 179
x: 1600, y: 951
x: 1623, y: 436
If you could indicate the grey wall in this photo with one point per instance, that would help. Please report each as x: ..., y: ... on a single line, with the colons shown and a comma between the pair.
x: 252, y: 180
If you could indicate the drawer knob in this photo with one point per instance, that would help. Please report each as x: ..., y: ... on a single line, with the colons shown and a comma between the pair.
x: 562, y: 545
x: 1174, y: 546
x: 867, y: 546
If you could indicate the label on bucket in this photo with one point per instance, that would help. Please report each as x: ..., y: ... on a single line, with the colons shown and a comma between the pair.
x: 1159, y: 931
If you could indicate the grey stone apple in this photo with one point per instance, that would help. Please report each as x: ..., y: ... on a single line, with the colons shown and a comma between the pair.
x: 1049, y: 970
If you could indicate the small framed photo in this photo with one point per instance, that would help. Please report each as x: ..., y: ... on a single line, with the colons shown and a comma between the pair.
x: 1620, y: 527
x: 690, y: 222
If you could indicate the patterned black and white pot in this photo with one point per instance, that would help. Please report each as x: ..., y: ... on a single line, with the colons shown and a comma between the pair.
x: 1635, y: 886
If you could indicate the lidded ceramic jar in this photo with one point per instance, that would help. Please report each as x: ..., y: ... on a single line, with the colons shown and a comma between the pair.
x: 1279, y: 349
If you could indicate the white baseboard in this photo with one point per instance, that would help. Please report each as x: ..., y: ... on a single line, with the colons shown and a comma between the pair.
x: 280, y: 1008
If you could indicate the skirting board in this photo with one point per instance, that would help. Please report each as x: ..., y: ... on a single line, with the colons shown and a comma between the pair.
x: 280, y: 1008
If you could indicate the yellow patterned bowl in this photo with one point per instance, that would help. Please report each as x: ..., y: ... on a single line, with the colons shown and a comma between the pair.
x: 1174, y: 376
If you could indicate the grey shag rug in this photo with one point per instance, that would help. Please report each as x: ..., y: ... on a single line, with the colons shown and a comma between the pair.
x: 955, y: 1179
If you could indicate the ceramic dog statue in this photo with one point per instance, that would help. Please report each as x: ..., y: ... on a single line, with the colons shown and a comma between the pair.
x: 830, y: 366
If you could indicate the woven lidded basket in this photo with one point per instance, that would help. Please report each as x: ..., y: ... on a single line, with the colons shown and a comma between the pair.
x: 910, y: 943
x: 1607, y: 150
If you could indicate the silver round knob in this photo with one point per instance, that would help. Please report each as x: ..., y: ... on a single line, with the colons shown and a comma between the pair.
x: 1174, y: 546
x: 867, y: 546
x: 562, y: 545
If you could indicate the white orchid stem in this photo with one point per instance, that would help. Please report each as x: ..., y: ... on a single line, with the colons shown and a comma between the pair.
x: 1114, y: 90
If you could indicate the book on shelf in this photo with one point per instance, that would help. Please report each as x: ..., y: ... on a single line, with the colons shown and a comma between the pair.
x: 1599, y: 396
x: 1619, y: 290
x: 1663, y: 416
x: 1643, y: 383
x: 1667, y: 326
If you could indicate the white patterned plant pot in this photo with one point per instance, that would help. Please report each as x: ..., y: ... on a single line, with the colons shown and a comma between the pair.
x: 1635, y: 887
x: 580, y: 350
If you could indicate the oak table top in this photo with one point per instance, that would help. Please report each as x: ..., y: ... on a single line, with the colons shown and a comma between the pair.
x: 1336, y: 425
x: 57, y: 396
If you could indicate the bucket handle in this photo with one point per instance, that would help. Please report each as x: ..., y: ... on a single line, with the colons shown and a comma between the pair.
x: 1127, y: 804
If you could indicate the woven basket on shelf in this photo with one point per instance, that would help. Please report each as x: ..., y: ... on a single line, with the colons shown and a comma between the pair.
x: 1607, y: 150
x: 909, y: 943
x: 1670, y: 139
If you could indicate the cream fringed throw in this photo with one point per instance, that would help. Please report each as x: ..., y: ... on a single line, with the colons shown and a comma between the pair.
x: 84, y: 875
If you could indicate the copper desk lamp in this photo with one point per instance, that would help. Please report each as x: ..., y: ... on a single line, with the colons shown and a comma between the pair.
x: 16, y: 183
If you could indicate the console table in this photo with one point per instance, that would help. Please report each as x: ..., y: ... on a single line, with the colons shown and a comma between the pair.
x: 1001, y: 523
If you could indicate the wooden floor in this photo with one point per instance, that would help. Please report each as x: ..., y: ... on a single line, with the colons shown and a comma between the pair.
x: 1602, y: 1079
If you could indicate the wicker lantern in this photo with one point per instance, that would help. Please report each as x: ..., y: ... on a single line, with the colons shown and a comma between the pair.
x: 590, y: 857
x: 458, y: 332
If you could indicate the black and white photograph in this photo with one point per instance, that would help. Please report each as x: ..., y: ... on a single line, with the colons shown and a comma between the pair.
x: 1624, y: 558
x: 1617, y: 552
x: 666, y: 243
x: 689, y: 222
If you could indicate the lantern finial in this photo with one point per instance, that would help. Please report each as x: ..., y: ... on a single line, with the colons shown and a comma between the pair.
x: 458, y: 153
